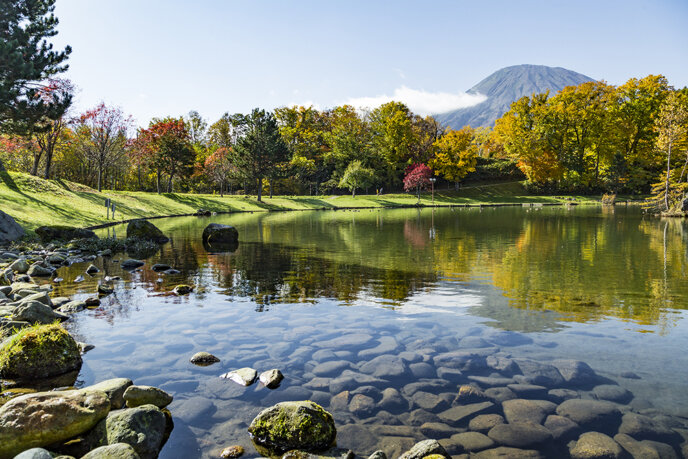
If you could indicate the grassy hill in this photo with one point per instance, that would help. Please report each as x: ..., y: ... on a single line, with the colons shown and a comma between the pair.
x: 33, y: 201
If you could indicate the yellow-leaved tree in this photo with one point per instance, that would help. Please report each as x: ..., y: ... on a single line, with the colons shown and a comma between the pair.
x: 455, y: 154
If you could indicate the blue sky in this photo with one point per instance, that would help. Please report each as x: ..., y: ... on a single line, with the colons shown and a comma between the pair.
x: 166, y: 57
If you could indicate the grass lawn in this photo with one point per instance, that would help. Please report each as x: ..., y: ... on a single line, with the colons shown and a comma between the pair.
x: 34, y: 202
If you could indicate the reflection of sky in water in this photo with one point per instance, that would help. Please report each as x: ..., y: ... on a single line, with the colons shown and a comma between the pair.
x: 303, y: 277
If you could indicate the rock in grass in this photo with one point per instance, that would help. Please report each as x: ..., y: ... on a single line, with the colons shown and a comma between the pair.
x: 244, y: 376
x: 425, y: 448
x: 145, y: 230
x: 271, y: 378
x: 287, y: 426
x: 116, y: 451
x: 10, y: 230
x: 38, y: 352
x: 146, y: 395
x: 203, y: 359
x: 44, y: 418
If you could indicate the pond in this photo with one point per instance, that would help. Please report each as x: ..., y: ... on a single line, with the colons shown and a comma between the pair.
x: 351, y: 304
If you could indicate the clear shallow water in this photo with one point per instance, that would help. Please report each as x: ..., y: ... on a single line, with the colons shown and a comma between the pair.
x: 605, y: 286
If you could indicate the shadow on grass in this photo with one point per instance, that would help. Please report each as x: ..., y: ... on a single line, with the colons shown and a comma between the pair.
x: 9, y: 181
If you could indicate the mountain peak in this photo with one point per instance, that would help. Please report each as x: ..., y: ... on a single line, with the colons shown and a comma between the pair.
x: 507, y: 85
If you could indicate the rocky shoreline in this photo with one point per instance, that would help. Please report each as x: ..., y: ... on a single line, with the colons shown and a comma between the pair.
x: 477, y: 401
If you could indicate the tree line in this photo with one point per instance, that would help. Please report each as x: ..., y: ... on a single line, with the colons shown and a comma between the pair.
x: 593, y: 137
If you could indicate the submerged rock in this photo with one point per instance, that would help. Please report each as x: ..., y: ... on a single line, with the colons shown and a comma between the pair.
x: 44, y: 418
x: 287, y: 426
x: 232, y: 452
x: 116, y: 451
x: 520, y: 434
x: 591, y: 414
x: 183, y: 289
x: 63, y: 233
x: 39, y: 352
x: 145, y: 230
x: 131, y: 264
x: 593, y: 445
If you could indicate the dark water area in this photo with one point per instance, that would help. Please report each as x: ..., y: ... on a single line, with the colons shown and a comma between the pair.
x: 350, y: 304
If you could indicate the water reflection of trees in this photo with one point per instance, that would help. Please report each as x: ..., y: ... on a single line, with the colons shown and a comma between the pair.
x: 584, y: 264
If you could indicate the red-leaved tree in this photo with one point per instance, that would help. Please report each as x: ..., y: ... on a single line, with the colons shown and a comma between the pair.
x: 220, y: 168
x: 417, y: 177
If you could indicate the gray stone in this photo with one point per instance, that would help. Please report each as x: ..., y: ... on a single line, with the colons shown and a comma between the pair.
x: 595, y: 445
x: 491, y: 381
x: 222, y: 234
x: 559, y: 395
x: 484, y: 422
x: 468, y: 393
x: 332, y: 453
x: 528, y: 390
x: 519, y: 410
x: 430, y: 402
x: 644, y: 428
x: 450, y: 374
x: 389, y: 367
x: 423, y: 449
x: 387, y: 345
x: 507, y: 453
x: 537, y: 373
x: 19, y: 265
x: 612, y: 393
x: 362, y: 406
x: 510, y: 338
x: 575, y: 372
x: 114, y: 389
x: 116, y: 451
x: 143, y: 428
x: 38, y: 270
x: 36, y: 313
x: 34, y: 453
x: 393, y: 401
x: 63, y: 233
x: 41, y: 297
x: 472, y: 441
x: 563, y: 429
x: 378, y: 455
x: 503, y: 365
x: 520, y: 434
x: 464, y: 360
x: 636, y: 449
x: 72, y: 307
x: 422, y: 370
x: 43, y: 418
x: 662, y: 449
x: 131, y: 264
x: 436, y: 430
x: 473, y: 342
x: 591, y: 414
x: 203, y: 359
x: 244, y: 376
x: 271, y: 378
x: 462, y: 413
x: 331, y: 368
x: 9, y: 229
x: 350, y: 380
x: 146, y: 395
x: 500, y: 394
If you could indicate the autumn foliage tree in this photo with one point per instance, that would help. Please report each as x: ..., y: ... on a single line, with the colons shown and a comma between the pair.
x: 220, y: 168
x: 166, y: 148
x: 455, y: 154
x: 417, y: 178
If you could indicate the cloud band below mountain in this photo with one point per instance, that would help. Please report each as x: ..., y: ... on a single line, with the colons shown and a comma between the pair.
x: 421, y: 102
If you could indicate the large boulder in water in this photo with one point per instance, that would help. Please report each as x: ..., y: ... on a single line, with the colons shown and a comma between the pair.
x: 39, y: 352
x: 143, y: 229
x: 9, y: 229
x: 63, y: 233
x: 44, y: 418
x: 216, y: 233
x: 304, y: 426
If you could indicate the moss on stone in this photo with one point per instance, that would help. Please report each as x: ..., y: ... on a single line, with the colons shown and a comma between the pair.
x: 39, y: 351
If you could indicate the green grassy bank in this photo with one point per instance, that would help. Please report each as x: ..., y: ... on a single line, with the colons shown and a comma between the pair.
x: 34, y: 202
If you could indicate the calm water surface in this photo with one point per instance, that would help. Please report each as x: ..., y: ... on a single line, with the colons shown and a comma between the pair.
x: 320, y: 294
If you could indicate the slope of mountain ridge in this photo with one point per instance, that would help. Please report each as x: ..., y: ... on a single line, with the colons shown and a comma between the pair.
x: 504, y: 87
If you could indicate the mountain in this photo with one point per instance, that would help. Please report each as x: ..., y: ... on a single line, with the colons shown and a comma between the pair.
x: 504, y: 87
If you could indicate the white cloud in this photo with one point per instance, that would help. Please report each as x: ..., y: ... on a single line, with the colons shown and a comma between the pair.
x: 419, y: 101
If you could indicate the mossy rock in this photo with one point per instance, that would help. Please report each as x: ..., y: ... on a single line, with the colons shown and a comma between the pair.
x: 145, y: 230
x: 216, y: 233
x: 287, y: 426
x: 37, y: 352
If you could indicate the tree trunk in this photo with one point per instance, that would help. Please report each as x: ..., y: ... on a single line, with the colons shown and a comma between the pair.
x: 418, y: 193
x: 139, y: 177
x: 353, y: 193
x: 666, y: 191
x: 48, y: 163
x: 246, y: 187
x: 36, y: 161
x: 222, y: 189
x: 157, y: 180
x: 456, y: 186
x: 169, y: 183
x: 2, y: 166
x: 259, y: 180
x: 100, y: 177
x: 270, y: 189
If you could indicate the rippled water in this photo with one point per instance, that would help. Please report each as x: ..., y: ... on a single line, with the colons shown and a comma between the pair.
x: 320, y: 294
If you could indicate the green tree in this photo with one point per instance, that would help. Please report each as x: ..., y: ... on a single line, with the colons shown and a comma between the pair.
x: 455, y: 154
x: 27, y: 60
x: 261, y: 152
x: 393, y: 138
x: 672, y: 127
x: 349, y: 139
x: 356, y: 176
